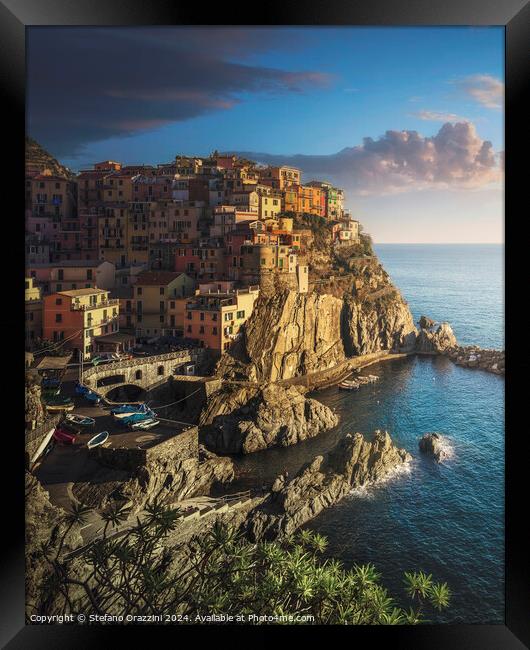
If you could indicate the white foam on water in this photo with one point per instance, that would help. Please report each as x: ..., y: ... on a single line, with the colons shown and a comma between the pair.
x: 367, y: 491
x: 447, y: 447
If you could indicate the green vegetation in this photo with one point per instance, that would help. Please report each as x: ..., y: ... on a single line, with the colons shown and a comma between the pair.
x: 224, y: 574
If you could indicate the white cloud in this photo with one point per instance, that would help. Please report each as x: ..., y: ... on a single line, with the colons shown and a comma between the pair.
x: 483, y: 88
x: 402, y: 161
x: 435, y: 116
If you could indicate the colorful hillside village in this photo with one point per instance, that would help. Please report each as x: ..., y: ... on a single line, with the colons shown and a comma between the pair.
x: 119, y: 254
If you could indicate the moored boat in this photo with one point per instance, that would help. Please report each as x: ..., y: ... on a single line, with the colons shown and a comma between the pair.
x: 66, y: 437
x: 129, y: 409
x: 136, y: 417
x: 98, y: 439
x: 348, y: 385
x: 80, y: 389
x: 145, y: 424
x: 59, y: 404
x: 81, y: 420
x: 92, y: 397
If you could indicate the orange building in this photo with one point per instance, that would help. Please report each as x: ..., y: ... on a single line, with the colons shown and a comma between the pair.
x: 78, y: 317
x: 215, y: 319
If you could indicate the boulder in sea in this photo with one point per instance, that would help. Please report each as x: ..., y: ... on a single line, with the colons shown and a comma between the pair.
x: 439, y: 341
x: 431, y: 443
x: 426, y: 322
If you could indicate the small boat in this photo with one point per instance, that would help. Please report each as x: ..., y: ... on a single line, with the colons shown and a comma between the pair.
x: 51, y: 383
x: 144, y: 424
x: 348, y: 385
x: 81, y: 420
x: 98, y: 439
x: 48, y: 393
x: 55, y: 408
x: 136, y: 417
x: 59, y: 404
x: 127, y: 409
x: 64, y: 436
x: 92, y: 397
x: 57, y: 401
x: 80, y: 389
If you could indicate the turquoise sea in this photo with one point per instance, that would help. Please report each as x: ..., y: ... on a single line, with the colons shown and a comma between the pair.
x: 446, y: 519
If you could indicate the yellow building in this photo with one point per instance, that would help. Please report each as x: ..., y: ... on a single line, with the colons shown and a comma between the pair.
x: 270, y: 202
x: 33, y: 310
x: 153, y: 293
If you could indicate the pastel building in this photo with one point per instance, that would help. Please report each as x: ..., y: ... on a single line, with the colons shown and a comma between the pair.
x: 33, y: 313
x: 74, y: 274
x: 152, y: 292
x: 215, y: 318
x: 80, y: 317
x: 280, y: 177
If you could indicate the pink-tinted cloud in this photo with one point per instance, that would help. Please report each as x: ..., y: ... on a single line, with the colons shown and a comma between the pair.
x: 483, y: 88
x: 399, y: 161
x: 435, y: 116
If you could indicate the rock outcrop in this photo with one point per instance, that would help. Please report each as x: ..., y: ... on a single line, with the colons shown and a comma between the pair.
x: 44, y: 525
x: 431, y: 443
x: 249, y: 419
x: 173, y: 479
x: 168, y: 476
x: 354, y: 462
x: 435, y: 341
x: 34, y: 410
x: 443, y: 341
x: 291, y: 334
x: 471, y: 356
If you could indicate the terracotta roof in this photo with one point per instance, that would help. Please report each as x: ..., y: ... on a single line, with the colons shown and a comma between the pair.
x: 45, y: 177
x: 156, y: 278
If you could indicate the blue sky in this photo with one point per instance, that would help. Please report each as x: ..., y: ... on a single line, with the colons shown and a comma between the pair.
x: 146, y: 94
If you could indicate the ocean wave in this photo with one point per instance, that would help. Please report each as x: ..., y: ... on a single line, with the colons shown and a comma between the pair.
x: 366, y: 491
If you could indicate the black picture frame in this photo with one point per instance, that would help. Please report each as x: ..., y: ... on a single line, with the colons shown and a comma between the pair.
x: 16, y: 15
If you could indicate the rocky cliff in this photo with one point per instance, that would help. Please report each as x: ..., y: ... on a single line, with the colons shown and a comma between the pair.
x: 44, y: 525
x: 354, y: 462
x: 248, y: 419
x: 34, y: 411
x: 291, y: 334
x: 38, y: 159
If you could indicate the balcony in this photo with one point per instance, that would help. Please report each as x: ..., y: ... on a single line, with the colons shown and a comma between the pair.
x: 114, y: 302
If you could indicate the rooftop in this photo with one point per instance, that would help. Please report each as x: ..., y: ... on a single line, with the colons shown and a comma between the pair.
x: 74, y: 293
x: 156, y: 278
x: 69, y: 263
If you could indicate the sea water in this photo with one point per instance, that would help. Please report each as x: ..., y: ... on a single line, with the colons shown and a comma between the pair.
x: 446, y: 519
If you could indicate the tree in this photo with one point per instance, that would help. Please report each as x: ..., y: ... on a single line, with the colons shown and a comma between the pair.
x: 224, y: 573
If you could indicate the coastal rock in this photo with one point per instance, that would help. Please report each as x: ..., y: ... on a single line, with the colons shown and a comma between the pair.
x: 354, y: 462
x: 291, y: 334
x: 436, y: 341
x: 34, y: 410
x: 44, y: 524
x: 426, y: 322
x: 431, y: 443
x: 472, y: 356
x: 245, y: 420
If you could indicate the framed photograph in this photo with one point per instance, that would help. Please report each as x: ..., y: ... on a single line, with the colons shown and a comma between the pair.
x: 265, y: 333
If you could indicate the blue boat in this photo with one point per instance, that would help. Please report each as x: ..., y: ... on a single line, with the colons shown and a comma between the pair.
x: 130, y: 408
x: 92, y: 397
x: 80, y: 389
x: 51, y: 383
x: 136, y: 417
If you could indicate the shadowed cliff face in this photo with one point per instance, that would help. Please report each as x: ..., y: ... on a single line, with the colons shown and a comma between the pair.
x: 291, y: 334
